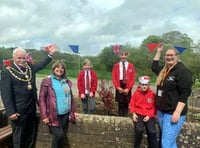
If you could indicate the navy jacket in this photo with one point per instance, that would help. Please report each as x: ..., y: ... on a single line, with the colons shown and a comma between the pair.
x: 15, y: 95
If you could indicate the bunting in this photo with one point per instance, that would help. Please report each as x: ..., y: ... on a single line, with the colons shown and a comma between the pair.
x: 47, y: 48
x: 29, y: 58
x: 116, y: 48
x: 74, y: 48
x: 7, y: 63
x: 152, y: 46
x: 180, y: 49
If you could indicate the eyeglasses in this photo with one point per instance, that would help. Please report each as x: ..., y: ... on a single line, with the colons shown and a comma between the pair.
x: 170, y: 55
x: 144, y: 84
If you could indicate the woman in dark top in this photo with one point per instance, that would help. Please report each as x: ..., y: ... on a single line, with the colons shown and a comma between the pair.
x: 174, y: 83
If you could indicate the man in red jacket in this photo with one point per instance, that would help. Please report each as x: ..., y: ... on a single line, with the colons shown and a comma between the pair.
x: 123, y: 77
x: 142, y: 106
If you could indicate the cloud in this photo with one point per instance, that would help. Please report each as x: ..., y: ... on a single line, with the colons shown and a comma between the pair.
x: 94, y: 25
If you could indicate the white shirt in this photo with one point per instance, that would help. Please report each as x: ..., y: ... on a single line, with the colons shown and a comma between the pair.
x: 121, y: 69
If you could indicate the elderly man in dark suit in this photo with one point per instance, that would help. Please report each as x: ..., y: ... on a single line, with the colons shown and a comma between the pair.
x: 19, y: 96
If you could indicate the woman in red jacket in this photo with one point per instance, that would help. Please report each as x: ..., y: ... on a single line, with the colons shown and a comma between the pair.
x: 142, y: 106
x: 57, y: 103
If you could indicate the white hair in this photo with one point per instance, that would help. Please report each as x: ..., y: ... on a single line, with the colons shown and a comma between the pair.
x: 18, y: 49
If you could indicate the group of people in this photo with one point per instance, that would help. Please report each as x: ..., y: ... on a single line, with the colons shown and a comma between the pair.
x: 168, y: 104
x: 56, y: 102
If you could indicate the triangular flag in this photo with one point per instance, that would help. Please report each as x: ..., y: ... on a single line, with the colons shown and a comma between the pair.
x: 74, y: 48
x: 152, y: 46
x: 180, y: 49
x: 116, y: 48
x: 29, y: 58
x: 49, y: 47
x: 7, y: 63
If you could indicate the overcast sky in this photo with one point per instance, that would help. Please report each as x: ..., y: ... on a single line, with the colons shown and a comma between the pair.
x: 94, y: 24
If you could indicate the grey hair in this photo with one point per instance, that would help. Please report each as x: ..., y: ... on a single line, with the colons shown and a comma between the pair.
x: 18, y: 49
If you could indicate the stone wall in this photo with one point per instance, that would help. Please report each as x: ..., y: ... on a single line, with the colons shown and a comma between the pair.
x: 97, y: 131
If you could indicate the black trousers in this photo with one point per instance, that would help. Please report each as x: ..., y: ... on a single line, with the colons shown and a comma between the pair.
x: 60, y: 139
x: 25, y: 130
x: 151, y: 132
x: 123, y: 101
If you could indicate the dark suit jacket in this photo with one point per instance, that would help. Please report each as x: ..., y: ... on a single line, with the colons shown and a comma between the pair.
x: 15, y: 95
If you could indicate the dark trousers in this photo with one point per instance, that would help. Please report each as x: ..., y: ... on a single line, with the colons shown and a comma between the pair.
x: 151, y: 132
x: 123, y: 101
x: 60, y: 139
x: 122, y: 109
x: 88, y: 105
x: 24, y: 131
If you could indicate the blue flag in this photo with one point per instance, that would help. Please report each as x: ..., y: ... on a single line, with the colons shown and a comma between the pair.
x: 180, y: 49
x: 74, y: 48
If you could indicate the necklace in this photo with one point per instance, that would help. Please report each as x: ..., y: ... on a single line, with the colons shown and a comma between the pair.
x: 66, y: 91
x: 24, y: 76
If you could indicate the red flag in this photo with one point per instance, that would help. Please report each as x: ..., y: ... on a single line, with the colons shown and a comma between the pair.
x: 29, y: 58
x: 152, y: 46
x: 49, y: 47
x: 116, y: 48
x: 7, y: 63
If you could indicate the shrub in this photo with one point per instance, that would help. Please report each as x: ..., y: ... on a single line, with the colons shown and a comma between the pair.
x: 105, y: 91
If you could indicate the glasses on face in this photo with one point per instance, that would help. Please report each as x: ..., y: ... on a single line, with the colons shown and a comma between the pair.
x: 170, y: 55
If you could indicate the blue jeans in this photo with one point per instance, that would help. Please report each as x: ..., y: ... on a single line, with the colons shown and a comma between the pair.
x: 169, y: 130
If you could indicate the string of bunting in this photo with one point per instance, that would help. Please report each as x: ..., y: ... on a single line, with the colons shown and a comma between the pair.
x: 153, y: 46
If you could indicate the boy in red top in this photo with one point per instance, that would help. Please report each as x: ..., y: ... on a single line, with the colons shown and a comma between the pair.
x: 123, y: 78
x: 87, y: 86
x: 142, y: 106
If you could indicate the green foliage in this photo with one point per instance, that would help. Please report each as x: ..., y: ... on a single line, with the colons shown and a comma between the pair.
x: 108, y: 58
x: 191, y: 60
x: 150, y: 39
x: 177, y: 38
